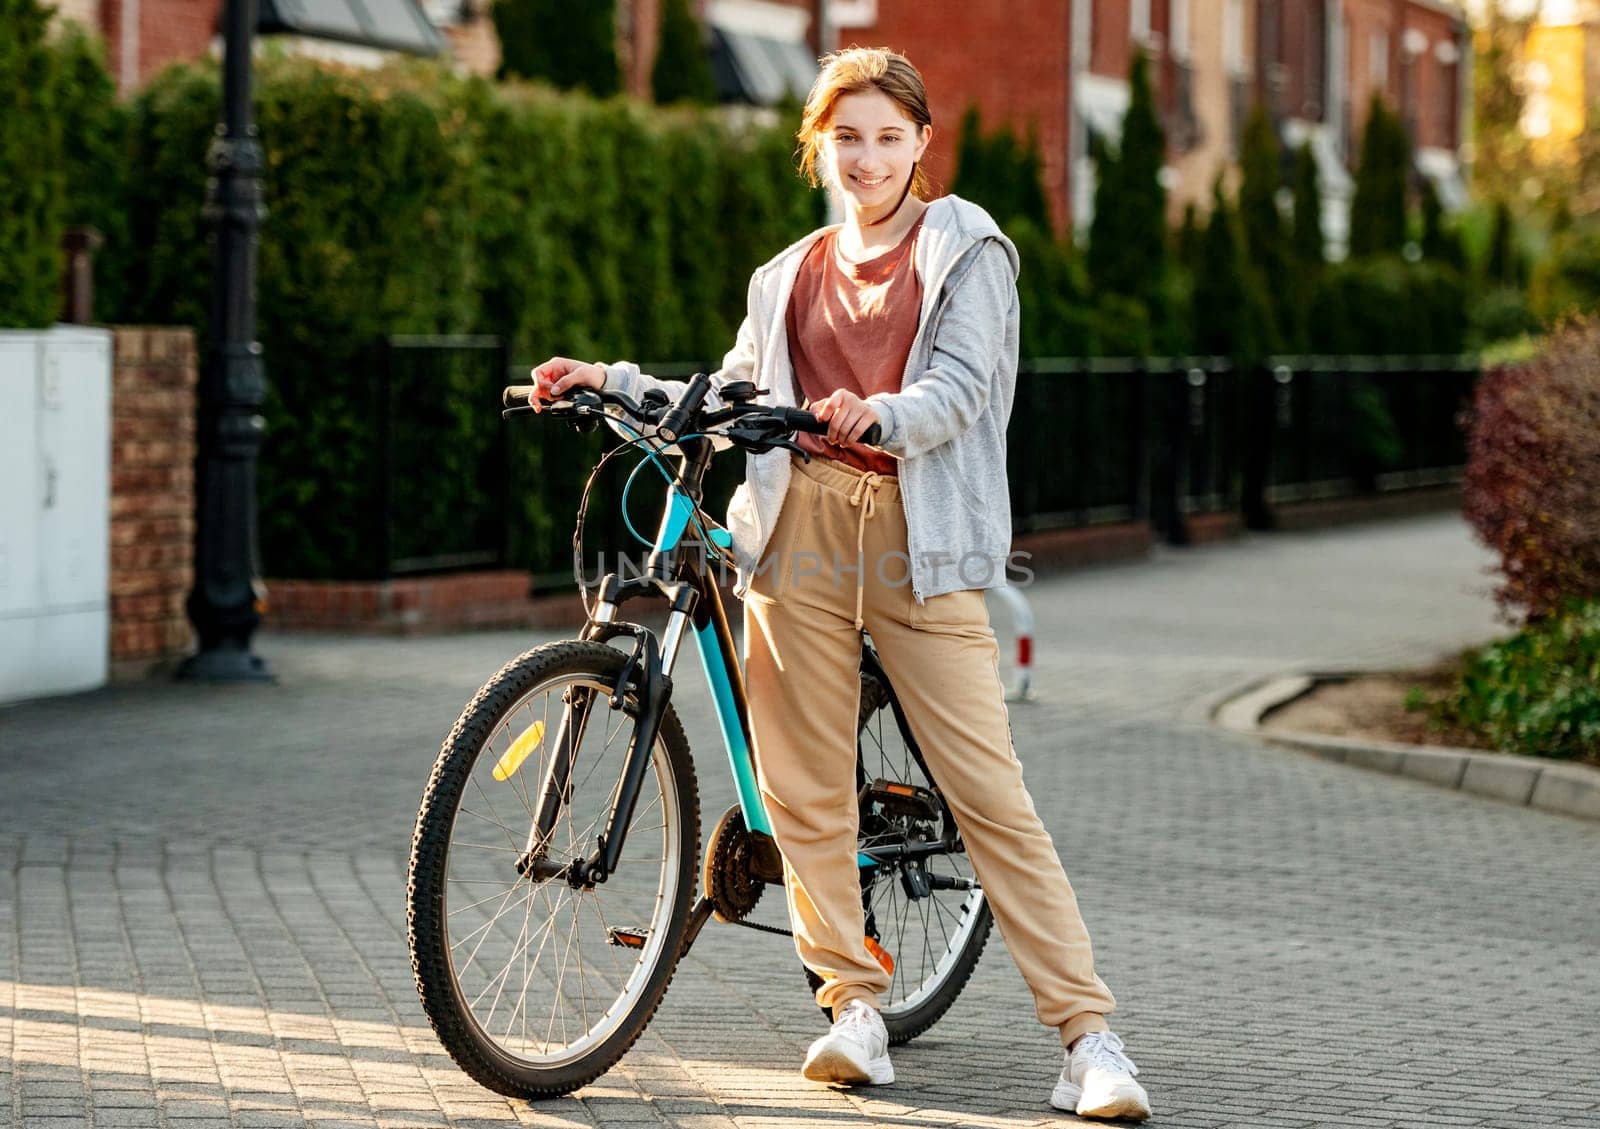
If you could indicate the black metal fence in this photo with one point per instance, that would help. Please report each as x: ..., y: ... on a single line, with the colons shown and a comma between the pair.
x: 1091, y: 441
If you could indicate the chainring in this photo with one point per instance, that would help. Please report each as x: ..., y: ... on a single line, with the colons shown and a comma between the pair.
x: 728, y: 873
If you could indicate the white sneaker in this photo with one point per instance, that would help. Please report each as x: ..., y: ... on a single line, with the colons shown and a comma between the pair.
x: 1097, y: 1081
x: 854, y: 1052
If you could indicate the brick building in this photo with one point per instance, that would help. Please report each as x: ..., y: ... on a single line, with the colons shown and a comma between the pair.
x: 1059, y: 67
x: 143, y: 36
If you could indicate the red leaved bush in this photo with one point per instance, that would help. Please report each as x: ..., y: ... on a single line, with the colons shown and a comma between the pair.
x: 1533, y: 472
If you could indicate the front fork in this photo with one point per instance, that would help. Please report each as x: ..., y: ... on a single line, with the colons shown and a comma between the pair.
x: 647, y: 675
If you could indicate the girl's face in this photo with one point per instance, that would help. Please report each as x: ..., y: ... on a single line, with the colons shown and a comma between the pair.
x: 870, y: 148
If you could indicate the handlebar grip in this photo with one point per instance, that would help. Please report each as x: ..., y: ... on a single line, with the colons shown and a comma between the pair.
x: 517, y: 395
x: 802, y: 420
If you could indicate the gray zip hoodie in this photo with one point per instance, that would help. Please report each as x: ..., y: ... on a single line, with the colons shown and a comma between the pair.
x: 946, y: 425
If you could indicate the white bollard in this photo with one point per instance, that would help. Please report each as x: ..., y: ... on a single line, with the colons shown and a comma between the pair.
x: 1022, y: 621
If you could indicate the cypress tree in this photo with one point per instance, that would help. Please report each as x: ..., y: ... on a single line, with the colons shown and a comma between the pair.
x: 972, y: 158
x: 1265, y: 240
x: 1188, y: 239
x: 1307, y: 240
x: 571, y: 46
x: 1227, y: 299
x: 1000, y: 174
x: 1378, y: 213
x: 1504, y: 267
x: 682, y: 72
x: 1439, y: 243
x: 1128, y: 235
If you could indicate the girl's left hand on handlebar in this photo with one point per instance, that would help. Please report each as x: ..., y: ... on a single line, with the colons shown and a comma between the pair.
x: 559, y: 375
x: 847, y: 415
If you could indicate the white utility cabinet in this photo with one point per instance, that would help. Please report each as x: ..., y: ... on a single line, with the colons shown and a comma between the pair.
x: 55, y: 510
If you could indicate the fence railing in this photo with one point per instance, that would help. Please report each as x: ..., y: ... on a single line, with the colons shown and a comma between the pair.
x: 1091, y: 441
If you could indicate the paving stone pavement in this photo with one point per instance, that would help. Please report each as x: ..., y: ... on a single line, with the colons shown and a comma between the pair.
x: 202, y: 890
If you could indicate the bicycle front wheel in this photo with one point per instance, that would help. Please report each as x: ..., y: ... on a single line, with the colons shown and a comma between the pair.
x: 537, y: 985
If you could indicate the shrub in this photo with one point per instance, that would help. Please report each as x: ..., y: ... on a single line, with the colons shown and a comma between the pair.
x: 408, y: 201
x: 1533, y: 473
x: 1567, y: 281
x: 1536, y: 693
x: 1052, y: 290
x: 95, y: 163
x: 1385, y: 305
x: 1498, y: 313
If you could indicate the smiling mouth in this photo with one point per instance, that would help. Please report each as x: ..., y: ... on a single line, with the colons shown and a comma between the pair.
x: 869, y: 183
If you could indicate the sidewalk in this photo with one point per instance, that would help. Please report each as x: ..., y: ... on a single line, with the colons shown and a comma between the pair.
x: 202, y: 889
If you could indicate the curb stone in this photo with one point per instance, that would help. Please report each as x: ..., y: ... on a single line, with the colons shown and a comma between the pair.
x: 1570, y: 789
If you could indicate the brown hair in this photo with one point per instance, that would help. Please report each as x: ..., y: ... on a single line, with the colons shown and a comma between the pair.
x: 849, y: 72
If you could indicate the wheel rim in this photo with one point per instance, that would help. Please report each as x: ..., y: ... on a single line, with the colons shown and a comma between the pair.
x: 925, y: 935
x: 531, y: 961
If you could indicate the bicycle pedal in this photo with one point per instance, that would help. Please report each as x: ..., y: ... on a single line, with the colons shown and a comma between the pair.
x: 627, y: 938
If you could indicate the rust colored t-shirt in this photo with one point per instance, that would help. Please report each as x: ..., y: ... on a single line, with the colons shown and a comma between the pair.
x: 851, y: 325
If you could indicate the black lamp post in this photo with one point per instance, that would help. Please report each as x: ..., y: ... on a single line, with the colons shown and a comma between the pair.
x: 223, y: 604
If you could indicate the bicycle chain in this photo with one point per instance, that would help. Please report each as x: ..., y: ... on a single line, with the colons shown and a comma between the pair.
x: 759, y: 928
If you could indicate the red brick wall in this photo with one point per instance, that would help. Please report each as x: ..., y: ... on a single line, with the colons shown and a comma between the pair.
x: 1110, y: 46
x: 169, y: 31
x: 1013, y: 60
x: 1429, y: 84
x: 153, y: 380
x: 1292, y: 51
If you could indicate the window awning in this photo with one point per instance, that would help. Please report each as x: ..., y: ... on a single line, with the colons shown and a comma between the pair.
x: 760, y: 70
x: 1102, y: 103
x: 759, y: 52
x: 389, y: 25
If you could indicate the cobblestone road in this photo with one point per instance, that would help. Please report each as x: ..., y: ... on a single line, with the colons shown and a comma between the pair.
x: 202, y: 912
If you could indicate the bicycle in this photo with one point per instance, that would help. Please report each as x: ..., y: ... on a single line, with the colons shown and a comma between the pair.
x: 544, y: 941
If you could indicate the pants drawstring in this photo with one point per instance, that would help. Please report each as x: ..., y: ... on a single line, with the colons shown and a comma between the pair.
x: 865, y: 497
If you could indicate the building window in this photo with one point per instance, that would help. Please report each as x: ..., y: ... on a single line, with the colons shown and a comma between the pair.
x: 1179, y: 31
x: 1139, y: 21
x: 1378, y: 59
x: 1233, y: 38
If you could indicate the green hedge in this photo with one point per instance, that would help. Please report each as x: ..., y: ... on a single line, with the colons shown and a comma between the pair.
x: 31, y: 176
x: 1536, y: 693
x: 409, y: 201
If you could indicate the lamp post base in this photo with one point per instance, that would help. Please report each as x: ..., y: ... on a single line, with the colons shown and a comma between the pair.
x: 225, y: 664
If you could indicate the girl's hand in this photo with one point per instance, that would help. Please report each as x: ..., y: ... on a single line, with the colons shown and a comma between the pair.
x: 846, y: 414
x: 559, y: 375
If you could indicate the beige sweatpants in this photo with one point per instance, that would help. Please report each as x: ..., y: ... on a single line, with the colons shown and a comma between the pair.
x: 802, y: 654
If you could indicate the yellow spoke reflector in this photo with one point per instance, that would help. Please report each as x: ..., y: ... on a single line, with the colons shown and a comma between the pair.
x: 512, y: 758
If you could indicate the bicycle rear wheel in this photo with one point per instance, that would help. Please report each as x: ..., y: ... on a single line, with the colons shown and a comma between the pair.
x: 926, y: 913
x: 536, y: 986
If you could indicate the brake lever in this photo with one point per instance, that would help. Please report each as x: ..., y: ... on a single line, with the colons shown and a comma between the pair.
x: 760, y: 440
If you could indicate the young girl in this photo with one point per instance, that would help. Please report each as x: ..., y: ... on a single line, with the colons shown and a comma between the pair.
x: 905, y: 316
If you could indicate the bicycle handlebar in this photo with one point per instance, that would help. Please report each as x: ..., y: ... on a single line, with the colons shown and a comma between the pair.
x: 753, y: 425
